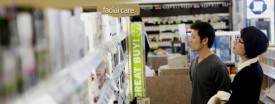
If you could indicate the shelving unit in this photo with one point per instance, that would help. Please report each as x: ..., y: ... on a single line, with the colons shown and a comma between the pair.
x: 267, y: 63
x: 173, y: 22
x: 160, y: 31
x: 62, y: 84
x: 102, y: 70
x: 268, y: 70
x: 87, y: 55
x: 169, y: 14
x: 264, y: 99
x: 65, y: 82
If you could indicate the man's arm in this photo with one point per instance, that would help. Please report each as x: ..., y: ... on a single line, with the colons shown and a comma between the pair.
x: 222, y: 79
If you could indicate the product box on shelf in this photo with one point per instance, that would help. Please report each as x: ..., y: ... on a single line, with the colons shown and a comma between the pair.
x: 271, y: 93
x: 178, y: 86
x: 65, y: 16
x: 26, y: 49
x: 223, y: 48
x: 9, y: 73
x: 53, y: 28
x: 78, y: 36
x: 143, y: 100
x: 272, y: 51
x: 155, y: 61
x: 41, y: 45
x: 167, y: 71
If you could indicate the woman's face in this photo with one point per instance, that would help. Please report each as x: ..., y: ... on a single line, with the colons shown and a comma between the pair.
x: 238, y: 47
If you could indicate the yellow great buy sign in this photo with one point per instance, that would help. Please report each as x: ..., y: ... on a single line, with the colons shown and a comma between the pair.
x: 137, y: 59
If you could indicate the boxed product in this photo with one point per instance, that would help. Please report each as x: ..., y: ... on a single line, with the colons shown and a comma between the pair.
x: 9, y: 73
x: 271, y: 93
x: 54, y: 30
x: 177, y: 60
x: 170, y: 89
x: 155, y: 61
x: 65, y: 16
x: 78, y: 48
x: 41, y: 45
x: 26, y: 50
x: 173, y: 71
x: 223, y: 47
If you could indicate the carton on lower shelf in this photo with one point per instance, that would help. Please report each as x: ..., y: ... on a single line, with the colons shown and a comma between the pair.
x: 177, y: 60
x: 143, y: 100
x: 154, y: 61
x: 173, y: 86
x: 271, y: 94
x: 166, y: 70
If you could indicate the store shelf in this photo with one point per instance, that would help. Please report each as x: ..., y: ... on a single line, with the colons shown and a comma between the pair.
x: 166, y: 31
x: 161, y: 40
x: 264, y: 99
x: 159, y: 31
x: 123, y: 92
x: 109, y: 88
x: 268, y: 70
x: 271, y: 45
x: 156, y: 23
x: 62, y: 84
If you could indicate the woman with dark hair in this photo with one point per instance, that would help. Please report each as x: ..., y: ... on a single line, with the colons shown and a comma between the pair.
x: 246, y: 86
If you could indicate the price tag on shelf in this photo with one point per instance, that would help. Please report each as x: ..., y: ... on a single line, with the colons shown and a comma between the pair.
x: 154, y: 23
x: 194, y: 21
x: 164, y: 22
x: 178, y: 22
x: 170, y: 22
x: 204, y: 20
x: 120, y: 100
x: 173, y: 30
x: 159, y: 22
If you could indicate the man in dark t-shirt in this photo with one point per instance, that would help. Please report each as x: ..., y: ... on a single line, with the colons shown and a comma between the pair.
x: 208, y: 73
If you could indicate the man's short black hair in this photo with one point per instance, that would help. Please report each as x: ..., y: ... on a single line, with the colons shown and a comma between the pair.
x: 205, y: 30
x: 255, y: 41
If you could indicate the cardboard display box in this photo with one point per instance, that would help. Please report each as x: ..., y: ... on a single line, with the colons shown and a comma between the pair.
x: 271, y: 94
x: 173, y: 71
x: 173, y: 86
x: 143, y: 100
x: 169, y: 89
x: 154, y: 61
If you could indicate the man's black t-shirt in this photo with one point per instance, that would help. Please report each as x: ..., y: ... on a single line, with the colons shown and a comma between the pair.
x: 208, y: 77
